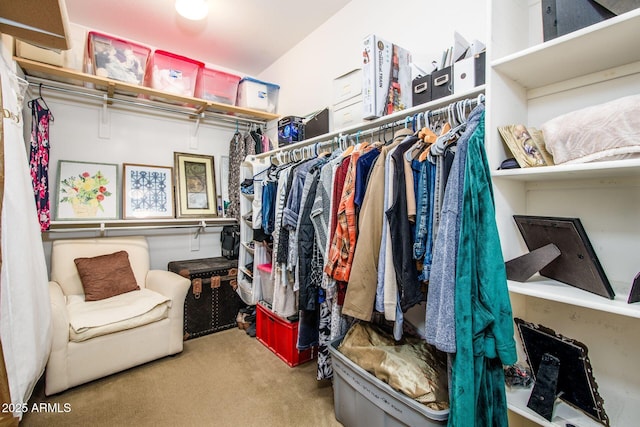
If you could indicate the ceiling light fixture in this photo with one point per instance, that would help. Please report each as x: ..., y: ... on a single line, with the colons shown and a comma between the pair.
x: 194, y: 10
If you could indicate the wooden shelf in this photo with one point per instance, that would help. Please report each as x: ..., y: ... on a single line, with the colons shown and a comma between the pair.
x: 113, y: 86
x: 602, y: 46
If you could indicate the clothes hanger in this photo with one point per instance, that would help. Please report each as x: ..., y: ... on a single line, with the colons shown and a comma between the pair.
x: 40, y: 100
x: 348, y: 149
x: 437, y: 148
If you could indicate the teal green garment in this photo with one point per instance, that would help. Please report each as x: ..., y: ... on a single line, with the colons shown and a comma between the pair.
x: 484, y: 321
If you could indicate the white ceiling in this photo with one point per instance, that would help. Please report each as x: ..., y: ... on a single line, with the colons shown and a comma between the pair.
x: 242, y: 35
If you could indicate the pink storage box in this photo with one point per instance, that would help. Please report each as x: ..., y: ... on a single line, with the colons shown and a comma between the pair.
x: 171, y: 73
x: 217, y: 86
x: 116, y: 58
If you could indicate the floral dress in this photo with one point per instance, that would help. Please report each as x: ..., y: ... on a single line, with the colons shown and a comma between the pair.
x: 39, y: 160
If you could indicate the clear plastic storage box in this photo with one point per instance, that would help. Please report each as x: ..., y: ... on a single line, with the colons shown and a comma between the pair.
x: 171, y: 73
x: 258, y: 95
x: 116, y: 58
x: 266, y: 282
x: 217, y: 86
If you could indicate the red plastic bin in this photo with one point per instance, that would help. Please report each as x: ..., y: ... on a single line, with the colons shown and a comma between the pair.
x: 217, y: 86
x: 116, y: 58
x: 280, y: 336
x: 171, y: 73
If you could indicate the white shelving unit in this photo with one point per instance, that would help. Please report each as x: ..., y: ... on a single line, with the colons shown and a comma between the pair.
x: 530, y: 82
x: 249, y: 287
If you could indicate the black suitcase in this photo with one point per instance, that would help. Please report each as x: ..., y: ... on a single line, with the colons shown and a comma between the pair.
x: 212, y: 303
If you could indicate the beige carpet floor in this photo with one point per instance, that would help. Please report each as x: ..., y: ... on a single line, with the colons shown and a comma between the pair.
x: 223, y: 379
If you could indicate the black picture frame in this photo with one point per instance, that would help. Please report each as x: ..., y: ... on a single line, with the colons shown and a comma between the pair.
x: 634, y: 295
x: 576, y: 383
x: 577, y: 265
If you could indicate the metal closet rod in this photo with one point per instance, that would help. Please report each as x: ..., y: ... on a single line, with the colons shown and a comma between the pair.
x: 379, y: 125
x: 90, y: 93
x: 104, y: 227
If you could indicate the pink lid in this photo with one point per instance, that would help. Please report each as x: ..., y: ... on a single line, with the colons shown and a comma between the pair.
x: 265, y: 267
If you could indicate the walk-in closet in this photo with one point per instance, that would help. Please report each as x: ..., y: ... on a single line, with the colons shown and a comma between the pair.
x: 343, y: 213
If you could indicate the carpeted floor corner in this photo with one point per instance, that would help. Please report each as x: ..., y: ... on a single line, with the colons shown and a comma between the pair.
x: 223, y: 379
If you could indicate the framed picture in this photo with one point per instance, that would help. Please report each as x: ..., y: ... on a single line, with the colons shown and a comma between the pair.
x: 147, y: 191
x: 195, y: 186
x: 87, y: 191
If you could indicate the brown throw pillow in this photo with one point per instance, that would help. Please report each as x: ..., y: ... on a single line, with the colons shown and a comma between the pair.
x: 106, y: 276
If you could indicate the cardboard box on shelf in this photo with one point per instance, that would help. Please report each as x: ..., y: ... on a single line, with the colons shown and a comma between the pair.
x: 386, y: 77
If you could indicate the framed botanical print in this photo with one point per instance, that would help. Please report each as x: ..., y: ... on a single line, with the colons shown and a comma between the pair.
x: 87, y: 191
x: 147, y: 191
x: 195, y: 186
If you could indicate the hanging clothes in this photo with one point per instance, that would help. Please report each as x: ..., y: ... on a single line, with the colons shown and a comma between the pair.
x: 308, y: 280
x: 331, y: 308
x: 361, y: 291
x: 285, y: 302
x: 39, y: 159
x: 484, y: 324
x: 363, y: 167
x: 440, y: 329
x: 239, y: 147
x: 400, y: 229
x: 338, y: 264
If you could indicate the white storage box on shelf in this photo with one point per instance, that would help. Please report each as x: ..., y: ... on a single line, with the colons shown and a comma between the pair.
x: 362, y: 400
x: 258, y: 95
x: 347, y: 86
x: 347, y: 113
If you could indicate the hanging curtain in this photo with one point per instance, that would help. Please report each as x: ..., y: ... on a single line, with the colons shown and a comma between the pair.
x: 39, y: 160
x: 25, y: 310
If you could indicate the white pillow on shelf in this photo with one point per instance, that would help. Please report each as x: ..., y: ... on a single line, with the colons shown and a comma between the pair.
x: 609, y: 131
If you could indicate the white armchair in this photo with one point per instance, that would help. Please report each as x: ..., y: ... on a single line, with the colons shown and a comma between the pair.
x: 93, y: 339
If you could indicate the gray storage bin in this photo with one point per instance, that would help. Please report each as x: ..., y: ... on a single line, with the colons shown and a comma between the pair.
x: 362, y: 400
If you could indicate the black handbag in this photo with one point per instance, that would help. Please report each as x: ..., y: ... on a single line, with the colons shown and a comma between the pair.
x: 230, y: 241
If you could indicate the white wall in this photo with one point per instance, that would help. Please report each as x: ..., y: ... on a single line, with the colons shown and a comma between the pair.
x: 305, y: 74
x: 134, y: 137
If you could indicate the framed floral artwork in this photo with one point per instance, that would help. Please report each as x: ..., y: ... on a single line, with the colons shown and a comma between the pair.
x: 147, y: 191
x: 195, y: 186
x: 87, y: 191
